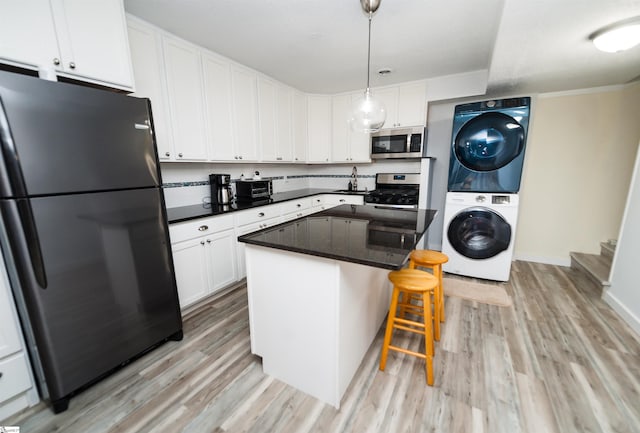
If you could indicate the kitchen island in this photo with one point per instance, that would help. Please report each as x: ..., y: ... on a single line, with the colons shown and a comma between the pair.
x: 318, y: 291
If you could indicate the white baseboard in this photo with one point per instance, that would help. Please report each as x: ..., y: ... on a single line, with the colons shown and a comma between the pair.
x: 625, y: 314
x: 543, y: 259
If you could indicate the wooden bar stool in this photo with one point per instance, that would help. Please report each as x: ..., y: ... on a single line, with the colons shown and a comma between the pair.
x: 422, y: 285
x: 434, y: 261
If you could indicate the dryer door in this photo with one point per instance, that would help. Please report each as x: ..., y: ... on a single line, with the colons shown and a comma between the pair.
x: 479, y: 233
x: 489, y: 141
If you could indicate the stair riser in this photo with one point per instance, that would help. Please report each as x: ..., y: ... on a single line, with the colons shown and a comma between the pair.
x: 581, y: 268
x: 606, y: 251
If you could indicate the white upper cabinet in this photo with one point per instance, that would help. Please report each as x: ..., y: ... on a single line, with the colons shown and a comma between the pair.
x: 284, y: 124
x: 319, y: 128
x: 412, y: 103
x: 267, y: 117
x: 86, y: 40
x: 347, y: 145
x: 245, y: 113
x: 405, y: 104
x: 300, y: 137
x: 148, y: 67
x: 184, y: 84
x: 218, y: 102
x: 340, y: 151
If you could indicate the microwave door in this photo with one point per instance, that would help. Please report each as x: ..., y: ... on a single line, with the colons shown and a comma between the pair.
x: 389, y: 144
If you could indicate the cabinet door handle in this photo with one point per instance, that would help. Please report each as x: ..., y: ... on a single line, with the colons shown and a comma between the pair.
x: 180, y: 154
x: 208, y: 241
x: 299, y: 205
x: 261, y: 214
x: 56, y: 61
x: 342, y: 200
x: 240, y: 157
x: 279, y: 158
x: 203, y: 228
x: 72, y: 65
x: 201, y: 242
x: 167, y: 154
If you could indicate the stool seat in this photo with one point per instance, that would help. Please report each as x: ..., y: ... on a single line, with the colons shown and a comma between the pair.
x: 428, y: 257
x: 413, y: 279
x: 421, y: 284
x: 433, y: 260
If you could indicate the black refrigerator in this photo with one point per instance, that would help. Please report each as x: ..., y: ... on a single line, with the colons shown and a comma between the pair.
x: 84, y: 230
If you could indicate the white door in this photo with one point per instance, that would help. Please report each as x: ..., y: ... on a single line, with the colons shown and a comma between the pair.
x: 191, y: 270
x: 217, y: 96
x: 412, y: 102
x: 267, y: 115
x: 284, y: 124
x: 222, y: 260
x: 184, y: 82
x: 340, y: 128
x: 319, y: 128
x: 245, y: 113
x: 146, y: 57
x: 27, y: 33
x: 300, y: 137
x: 92, y: 36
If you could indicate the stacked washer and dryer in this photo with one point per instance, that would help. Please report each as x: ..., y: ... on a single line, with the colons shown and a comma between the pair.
x: 485, y: 169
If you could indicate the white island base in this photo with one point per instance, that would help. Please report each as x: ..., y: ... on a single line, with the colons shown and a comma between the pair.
x: 312, y: 319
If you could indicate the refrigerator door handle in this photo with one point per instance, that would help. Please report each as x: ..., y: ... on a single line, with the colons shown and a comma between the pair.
x: 23, y: 236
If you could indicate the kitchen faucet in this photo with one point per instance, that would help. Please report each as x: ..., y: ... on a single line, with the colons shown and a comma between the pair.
x: 354, y: 178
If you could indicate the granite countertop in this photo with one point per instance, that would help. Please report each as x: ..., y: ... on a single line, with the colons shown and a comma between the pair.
x: 366, y: 235
x: 185, y: 213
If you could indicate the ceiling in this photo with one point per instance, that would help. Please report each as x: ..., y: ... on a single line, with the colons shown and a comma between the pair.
x: 532, y: 46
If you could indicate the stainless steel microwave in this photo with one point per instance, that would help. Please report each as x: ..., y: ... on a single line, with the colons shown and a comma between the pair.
x: 398, y: 143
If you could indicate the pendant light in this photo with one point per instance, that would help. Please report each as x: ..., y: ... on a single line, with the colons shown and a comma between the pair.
x: 368, y: 113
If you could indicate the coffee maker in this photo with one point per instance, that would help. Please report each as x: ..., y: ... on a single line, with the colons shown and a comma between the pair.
x: 221, y: 193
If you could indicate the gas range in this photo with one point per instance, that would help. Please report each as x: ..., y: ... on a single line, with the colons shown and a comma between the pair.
x: 395, y: 190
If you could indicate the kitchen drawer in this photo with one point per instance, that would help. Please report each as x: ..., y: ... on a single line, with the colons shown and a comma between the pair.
x: 317, y: 200
x: 259, y: 214
x: 295, y: 205
x: 338, y: 199
x: 15, y: 376
x: 199, y: 227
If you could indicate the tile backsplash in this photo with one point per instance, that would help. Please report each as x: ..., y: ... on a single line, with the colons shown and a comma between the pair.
x: 188, y: 183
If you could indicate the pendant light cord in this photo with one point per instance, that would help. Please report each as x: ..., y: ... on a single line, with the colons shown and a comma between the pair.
x: 369, y: 52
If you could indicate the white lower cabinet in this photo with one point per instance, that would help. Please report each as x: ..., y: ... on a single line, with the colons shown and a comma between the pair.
x: 338, y: 199
x: 207, y: 255
x: 243, y: 230
x: 201, y: 258
x: 17, y: 389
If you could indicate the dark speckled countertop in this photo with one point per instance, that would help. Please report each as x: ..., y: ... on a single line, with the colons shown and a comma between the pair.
x: 366, y: 235
x: 185, y: 213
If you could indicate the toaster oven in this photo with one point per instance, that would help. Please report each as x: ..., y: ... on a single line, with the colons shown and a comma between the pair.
x: 251, y: 190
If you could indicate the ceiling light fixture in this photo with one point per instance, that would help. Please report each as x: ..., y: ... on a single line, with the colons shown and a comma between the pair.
x: 618, y: 37
x: 368, y: 113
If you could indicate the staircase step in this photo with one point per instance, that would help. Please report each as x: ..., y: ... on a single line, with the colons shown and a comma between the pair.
x: 596, y: 266
x: 607, y: 249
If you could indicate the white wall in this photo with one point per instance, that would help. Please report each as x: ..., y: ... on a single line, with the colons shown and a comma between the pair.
x: 578, y: 163
x: 624, y: 293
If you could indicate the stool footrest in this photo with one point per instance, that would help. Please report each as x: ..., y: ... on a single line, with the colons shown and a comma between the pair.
x: 408, y: 352
x: 407, y: 322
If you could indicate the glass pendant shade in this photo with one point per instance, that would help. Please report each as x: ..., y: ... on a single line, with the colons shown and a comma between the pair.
x: 368, y: 114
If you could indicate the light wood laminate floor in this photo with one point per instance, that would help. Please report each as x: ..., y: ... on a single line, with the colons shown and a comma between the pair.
x: 558, y: 360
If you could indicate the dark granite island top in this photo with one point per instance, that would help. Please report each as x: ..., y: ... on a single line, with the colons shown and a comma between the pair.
x: 366, y: 235
x: 318, y: 291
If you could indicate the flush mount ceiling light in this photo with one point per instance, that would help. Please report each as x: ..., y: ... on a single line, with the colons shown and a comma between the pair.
x: 368, y: 113
x: 618, y: 37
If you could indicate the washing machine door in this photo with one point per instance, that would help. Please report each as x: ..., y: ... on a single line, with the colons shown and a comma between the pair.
x: 489, y: 141
x: 479, y: 233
